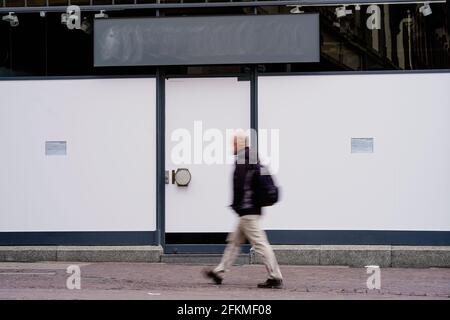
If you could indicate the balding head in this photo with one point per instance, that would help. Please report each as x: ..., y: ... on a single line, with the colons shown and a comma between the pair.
x: 240, y: 141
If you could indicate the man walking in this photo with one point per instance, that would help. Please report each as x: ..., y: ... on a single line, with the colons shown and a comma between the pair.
x: 247, y: 206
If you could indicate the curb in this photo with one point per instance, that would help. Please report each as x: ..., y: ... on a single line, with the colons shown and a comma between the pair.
x: 360, y: 256
x: 81, y: 253
x: 325, y: 255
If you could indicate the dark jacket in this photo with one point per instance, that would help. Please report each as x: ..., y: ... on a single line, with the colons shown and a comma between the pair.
x: 244, y: 184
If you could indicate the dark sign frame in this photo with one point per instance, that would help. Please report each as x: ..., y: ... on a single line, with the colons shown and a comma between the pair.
x: 207, y: 40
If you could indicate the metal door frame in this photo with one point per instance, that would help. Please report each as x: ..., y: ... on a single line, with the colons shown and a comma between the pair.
x: 161, y: 78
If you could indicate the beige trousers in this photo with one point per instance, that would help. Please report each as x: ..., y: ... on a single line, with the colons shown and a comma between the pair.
x: 248, y: 228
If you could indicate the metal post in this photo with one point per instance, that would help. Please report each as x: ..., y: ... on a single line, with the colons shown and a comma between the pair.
x: 254, y: 101
x: 160, y: 157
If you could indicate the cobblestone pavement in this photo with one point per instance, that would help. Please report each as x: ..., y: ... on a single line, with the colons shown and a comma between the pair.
x: 176, y: 281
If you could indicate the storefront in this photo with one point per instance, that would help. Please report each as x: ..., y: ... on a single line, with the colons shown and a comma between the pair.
x: 90, y: 138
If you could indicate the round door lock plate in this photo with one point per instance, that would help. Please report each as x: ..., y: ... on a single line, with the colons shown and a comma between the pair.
x: 182, y: 177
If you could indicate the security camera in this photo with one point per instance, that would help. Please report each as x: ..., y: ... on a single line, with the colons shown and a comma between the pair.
x: 342, y: 12
x: 12, y: 19
x: 425, y: 9
x: 101, y: 15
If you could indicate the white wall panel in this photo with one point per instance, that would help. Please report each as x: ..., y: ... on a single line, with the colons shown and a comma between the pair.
x: 106, y: 182
x: 403, y: 185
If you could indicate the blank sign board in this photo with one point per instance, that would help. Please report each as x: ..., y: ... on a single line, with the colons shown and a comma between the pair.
x: 55, y: 148
x: 207, y: 40
x: 362, y: 145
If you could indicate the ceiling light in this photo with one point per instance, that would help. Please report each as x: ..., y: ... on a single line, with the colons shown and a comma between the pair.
x: 64, y: 18
x: 86, y: 26
x: 342, y: 11
x: 425, y: 9
x: 101, y: 15
x: 12, y: 19
x: 296, y: 9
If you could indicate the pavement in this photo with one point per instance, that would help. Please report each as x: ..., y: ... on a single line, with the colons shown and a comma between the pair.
x: 48, y: 280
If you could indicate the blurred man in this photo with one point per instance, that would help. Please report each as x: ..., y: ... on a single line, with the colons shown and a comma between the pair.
x: 245, y: 204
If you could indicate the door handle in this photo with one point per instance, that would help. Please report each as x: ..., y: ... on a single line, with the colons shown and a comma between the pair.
x: 182, y: 177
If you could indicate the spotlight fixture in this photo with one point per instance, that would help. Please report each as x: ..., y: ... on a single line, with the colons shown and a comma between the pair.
x: 342, y: 12
x: 12, y: 19
x: 357, y: 7
x: 42, y: 14
x: 86, y: 26
x: 64, y: 18
x: 425, y: 10
x: 296, y: 9
x: 101, y: 15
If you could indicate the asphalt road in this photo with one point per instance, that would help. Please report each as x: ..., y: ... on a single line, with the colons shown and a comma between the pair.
x: 176, y: 281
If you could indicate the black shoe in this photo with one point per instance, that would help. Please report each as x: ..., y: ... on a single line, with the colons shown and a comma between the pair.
x: 210, y: 274
x: 271, y: 284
